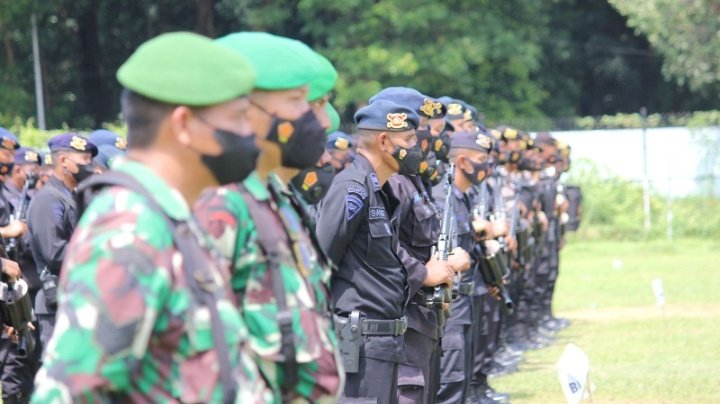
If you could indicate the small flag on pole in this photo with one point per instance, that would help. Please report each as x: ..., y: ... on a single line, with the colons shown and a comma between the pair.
x: 573, y: 368
x: 657, y: 287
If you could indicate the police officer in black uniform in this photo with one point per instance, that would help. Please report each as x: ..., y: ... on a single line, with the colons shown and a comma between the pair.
x: 17, y: 372
x: 419, y: 227
x: 52, y: 217
x: 370, y: 286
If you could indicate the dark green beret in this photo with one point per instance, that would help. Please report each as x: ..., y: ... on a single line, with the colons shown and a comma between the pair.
x: 186, y: 69
x: 334, y: 118
x: 324, y: 79
x: 281, y: 63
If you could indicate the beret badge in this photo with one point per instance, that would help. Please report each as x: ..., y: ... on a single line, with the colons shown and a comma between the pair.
x: 78, y: 143
x: 467, y: 115
x: 454, y: 109
x: 397, y: 121
x: 430, y: 108
x: 483, y: 141
x: 121, y: 143
x: 31, y: 156
x: 342, y: 144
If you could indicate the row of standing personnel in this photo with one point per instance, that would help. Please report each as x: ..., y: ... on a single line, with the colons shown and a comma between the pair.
x: 224, y: 261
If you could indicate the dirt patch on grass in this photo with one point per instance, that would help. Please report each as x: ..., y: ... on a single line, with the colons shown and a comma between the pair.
x: 612, y: 314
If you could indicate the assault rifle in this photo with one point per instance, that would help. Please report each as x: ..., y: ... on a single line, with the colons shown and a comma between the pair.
x: 441, y: 293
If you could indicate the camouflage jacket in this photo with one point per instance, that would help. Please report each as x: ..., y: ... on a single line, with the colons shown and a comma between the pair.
x: 128, y: 329
x: 226, y: 216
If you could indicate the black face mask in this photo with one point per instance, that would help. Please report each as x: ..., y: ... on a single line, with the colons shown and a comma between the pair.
x: 313, y: 183
x: 84, y: 171
x: 479, y: 172
x: 424, y: 139
x: 430, y: 170
x: 441, y: 147
x: 409, y: 159
x: 6, y: 168
x: 502, y: 158
x: 302, y: 141
x: 236, y: 160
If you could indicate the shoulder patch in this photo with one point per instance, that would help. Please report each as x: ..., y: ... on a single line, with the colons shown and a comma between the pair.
x: 374, y: 180
x: 357, y: 190
x: 353, y: 204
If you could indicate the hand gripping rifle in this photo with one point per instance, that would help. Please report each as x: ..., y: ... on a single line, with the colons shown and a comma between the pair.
x: 441, y: 293
x: 12, y: 244
x: 16, y: 309
x: 495, y: 270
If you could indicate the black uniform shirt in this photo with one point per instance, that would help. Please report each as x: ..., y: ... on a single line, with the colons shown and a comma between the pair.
x: 52, y: 217
x: 355, y: 231
x: 419, y: 227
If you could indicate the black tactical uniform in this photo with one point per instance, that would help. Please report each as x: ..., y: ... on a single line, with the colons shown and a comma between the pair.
x: 17, y: 372
x: 52, y: 217
x: 419, y: 222
x: 370, y: 287
x: 457, y: 341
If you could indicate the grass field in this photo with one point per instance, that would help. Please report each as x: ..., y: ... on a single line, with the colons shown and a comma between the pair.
x: 638, y: 352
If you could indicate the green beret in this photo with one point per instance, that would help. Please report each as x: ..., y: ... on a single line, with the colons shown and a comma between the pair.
x: 187, y: 69
x: 334, y: 118
x: 281, y: 63
x: 324, y: 80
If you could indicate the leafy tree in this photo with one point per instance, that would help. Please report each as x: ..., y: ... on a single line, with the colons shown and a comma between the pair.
x: 684, y: 32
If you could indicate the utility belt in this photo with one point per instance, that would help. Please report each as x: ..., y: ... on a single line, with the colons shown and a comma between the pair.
x: 49, y: 287
x: 465, y: 288
x: 350, y: 330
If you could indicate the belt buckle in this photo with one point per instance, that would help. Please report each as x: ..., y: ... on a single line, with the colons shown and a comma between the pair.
x: 400, y: 326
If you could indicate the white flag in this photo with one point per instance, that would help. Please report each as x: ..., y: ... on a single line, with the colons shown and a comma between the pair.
x: 657, y: 287
x: 573, y: 368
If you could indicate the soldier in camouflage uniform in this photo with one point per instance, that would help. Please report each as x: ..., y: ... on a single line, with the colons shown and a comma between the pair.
x: 279, y: 276
x: 145, y: 312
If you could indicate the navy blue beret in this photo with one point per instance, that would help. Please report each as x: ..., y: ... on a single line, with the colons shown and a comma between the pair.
x: 471, y: 113
x: 106, y: 154
x: 8, y: 140
x: 455, y: 109
x: 72, y: 142
x: 26, y: 155
x: 384, y: 115
x: 102, y: 137
x: 339, y: 141
x: 425, y: 106
x: 474, y: 140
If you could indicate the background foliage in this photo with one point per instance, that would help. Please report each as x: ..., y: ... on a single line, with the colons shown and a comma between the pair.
x: 520, y: 60
x: 613, y: 209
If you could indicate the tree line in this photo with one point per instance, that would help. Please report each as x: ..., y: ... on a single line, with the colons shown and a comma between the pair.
x: 514, y: 60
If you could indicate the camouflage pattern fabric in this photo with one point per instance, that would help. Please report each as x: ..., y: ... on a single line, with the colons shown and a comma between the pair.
x: 226, y: 216
x: 128, y: 328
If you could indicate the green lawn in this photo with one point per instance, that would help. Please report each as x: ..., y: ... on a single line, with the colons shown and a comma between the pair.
x: 638, y: 353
